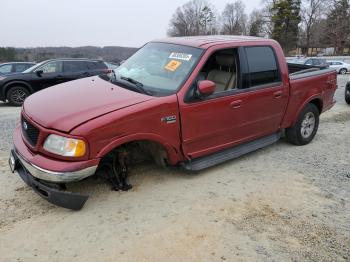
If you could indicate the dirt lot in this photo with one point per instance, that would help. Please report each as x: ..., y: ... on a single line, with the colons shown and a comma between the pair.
x: 282, y: 203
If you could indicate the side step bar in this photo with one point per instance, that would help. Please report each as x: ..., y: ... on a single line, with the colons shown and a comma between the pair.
x: 231, y: 153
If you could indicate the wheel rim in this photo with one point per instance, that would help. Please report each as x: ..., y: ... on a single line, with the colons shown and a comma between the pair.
x: 308, y: 125
x: 18, y: 96
x: 343, y: 71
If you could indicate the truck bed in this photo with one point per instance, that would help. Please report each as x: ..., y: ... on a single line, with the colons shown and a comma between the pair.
x: 296, y: 69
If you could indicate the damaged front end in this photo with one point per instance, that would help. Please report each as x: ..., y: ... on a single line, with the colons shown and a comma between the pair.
x: 52, y: 192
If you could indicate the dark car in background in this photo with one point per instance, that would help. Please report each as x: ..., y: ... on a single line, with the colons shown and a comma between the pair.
x: 347, y: 93
x: 319, y: 62
x: 16, y: 88
x: 14, y: 67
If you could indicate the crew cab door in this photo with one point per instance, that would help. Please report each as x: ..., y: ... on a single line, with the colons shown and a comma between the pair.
x: 252, y: 106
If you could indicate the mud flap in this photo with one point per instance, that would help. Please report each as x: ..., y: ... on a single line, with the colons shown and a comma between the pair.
x: 55, y: 196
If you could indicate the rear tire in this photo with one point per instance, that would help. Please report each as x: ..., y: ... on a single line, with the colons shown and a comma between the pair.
x: 17, y: 94
x: 343, y: 71
x: 305, y: 129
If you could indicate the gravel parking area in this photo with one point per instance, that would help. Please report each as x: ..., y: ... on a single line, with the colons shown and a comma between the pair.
x: 281, y: 203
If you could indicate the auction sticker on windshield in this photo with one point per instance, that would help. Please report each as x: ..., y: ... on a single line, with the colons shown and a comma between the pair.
x: 180, y: 56
x: 173, y: 65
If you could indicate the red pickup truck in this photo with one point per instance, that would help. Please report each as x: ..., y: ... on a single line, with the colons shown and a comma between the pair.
x: 190, y: 102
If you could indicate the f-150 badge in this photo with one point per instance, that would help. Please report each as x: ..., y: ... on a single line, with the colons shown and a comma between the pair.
x: 168, y: 119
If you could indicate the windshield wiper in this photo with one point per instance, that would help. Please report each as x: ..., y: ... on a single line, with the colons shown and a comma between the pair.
x: 136, y: 83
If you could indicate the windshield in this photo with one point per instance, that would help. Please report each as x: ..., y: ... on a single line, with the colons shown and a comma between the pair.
x: 32, y: 68
x: 158, y: 68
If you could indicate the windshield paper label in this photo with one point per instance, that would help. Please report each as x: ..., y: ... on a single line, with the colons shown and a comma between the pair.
x: 173, y: 65
x: 180, y: 56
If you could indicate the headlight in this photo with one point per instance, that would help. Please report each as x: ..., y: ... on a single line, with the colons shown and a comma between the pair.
x: 64, y: 146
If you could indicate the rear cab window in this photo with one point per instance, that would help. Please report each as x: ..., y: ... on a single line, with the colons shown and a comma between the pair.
x: 262, y: 66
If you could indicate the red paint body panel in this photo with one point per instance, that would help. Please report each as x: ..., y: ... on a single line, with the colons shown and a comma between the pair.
x: 106, y: 116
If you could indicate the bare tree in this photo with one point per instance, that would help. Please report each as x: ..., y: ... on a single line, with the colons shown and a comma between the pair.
x: 311, y: 12
x: 196, y: 17
x: 338, y: 24
x: 234, y: 19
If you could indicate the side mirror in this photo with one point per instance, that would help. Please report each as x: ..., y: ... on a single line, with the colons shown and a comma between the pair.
x: 206, y: 88
x: 39, y: 73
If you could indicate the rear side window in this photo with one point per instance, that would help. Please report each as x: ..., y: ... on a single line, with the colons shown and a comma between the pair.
x: 74, y: 66
x: 96, y: 65
x: 20, y: 67
x: 262, y: 64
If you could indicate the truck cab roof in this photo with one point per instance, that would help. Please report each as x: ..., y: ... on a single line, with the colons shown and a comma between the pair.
x: 205, y: 42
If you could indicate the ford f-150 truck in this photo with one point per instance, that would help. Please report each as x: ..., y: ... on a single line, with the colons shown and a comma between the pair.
x: 190, y: 103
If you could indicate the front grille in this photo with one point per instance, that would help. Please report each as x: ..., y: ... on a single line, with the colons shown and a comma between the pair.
x: 30, y: 132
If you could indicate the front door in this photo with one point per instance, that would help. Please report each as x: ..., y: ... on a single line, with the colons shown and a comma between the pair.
x: 51, y: 74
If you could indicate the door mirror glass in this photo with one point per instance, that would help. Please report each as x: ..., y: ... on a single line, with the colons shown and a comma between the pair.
x: 206, y: 88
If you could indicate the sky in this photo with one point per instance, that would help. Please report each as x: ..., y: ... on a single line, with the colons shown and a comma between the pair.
x: 34, y: 23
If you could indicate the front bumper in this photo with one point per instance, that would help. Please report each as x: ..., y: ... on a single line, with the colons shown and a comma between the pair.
x: 50, y: 192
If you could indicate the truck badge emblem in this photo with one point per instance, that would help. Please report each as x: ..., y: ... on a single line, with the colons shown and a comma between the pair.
x: 168, y: 119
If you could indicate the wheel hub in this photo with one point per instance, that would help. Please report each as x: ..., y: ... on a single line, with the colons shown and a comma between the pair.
x: 308, y: 125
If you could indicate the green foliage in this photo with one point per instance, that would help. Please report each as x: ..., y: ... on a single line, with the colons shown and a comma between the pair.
x: 7, y: 54
x: 286, y: 18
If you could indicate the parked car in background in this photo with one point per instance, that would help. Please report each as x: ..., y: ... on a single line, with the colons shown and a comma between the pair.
x: 14, y: 67
x: 340, y: 66
x: 347, y: 93
x: 320, y: 62
x: 191, y: 102
x: 16, y: 88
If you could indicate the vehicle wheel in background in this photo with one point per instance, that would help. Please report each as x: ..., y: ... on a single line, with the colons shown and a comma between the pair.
x: 347, y: 93
x: 343, y: 71
x: 305, y: 128
x: 17, y: 94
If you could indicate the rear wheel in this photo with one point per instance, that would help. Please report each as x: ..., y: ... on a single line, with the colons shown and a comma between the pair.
x: 305, y: 128
x: 17, y: 94
x: 343, y: 71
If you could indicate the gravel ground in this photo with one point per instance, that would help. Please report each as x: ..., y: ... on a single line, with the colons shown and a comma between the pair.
x: 281, y: 203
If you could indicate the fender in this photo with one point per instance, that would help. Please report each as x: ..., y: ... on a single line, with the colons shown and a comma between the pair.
x: 314, y: 97
x: 172, y: 153
x: 6, y: 86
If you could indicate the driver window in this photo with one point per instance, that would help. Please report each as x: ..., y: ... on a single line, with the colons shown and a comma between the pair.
x: 221, y: 68
x: 52, y: 67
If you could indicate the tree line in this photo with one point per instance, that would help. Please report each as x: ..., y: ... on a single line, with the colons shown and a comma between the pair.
x: 303, y: 24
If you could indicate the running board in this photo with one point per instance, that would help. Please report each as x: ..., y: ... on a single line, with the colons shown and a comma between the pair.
x: 231, y: 153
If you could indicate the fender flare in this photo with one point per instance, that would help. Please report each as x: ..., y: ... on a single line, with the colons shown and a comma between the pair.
x: 172, y: 153
x: 315, y: 97
x: 7, y: 86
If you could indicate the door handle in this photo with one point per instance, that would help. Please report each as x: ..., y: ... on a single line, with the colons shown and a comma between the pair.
x: 278, y: 94
x: 236, y: 104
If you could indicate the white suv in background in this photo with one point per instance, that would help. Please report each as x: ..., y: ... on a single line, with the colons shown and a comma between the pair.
x: 341, y: 67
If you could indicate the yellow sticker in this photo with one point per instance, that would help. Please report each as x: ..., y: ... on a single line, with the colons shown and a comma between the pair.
x: 173, y: 65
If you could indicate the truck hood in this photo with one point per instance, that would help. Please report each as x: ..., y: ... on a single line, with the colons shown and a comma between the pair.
x: 64, y: 107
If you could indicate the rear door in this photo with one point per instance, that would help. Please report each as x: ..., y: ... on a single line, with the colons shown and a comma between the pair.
x: 251, y: 110
x: 75, y: 70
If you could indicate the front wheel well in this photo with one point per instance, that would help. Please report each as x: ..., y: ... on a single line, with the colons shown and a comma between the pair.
x: 143, y: 150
